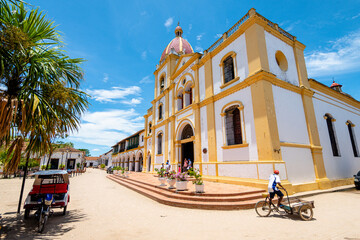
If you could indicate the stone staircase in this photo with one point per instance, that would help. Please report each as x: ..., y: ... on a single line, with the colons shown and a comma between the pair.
x: 189, y: 199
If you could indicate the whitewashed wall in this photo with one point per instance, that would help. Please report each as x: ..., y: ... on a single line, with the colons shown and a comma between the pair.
x: 239, y: 47
x: 274, y: 44
x: 346, y: 165
x: 236, y: 154
x: 62, y: 158
x: 290, y: 116
x: 202, y: 83
x: 204, y: 135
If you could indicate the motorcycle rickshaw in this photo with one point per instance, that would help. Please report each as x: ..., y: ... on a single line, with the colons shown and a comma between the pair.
x: 50, y: 190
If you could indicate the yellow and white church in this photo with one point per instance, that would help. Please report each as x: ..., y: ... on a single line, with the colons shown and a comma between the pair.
x: 244, y: 108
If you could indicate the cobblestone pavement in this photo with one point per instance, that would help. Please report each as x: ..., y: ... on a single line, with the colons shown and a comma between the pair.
x: 103, y: 209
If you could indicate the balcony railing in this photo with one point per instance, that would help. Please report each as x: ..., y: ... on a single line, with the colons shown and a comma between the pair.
x: 234, y: 28
x: 132, y: 146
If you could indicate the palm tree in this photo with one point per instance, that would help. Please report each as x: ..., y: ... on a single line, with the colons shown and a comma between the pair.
x: 39, y: 84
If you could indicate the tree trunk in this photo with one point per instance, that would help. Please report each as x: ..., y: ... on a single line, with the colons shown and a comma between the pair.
x: 48, y: 161
x: 23, y: 182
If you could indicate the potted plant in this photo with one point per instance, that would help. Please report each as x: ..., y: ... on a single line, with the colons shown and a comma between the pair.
x: 122, y: 171
x: 161, y: 175
x: 127, y: 172
x: 181, y: 181
x: 78, y: 165
x: 62, y: 166
x: 199, y: 183
x: 102, y: 166
x: 43, y: 167
x: 171, y: 179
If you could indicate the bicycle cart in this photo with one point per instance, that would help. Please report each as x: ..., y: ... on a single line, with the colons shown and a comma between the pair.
x: 294, y: 206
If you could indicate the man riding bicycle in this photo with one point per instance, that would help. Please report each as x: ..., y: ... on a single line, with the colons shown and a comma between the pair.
x: 274, y: 180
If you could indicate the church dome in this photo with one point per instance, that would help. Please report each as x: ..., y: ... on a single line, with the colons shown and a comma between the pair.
x: 178, y: 45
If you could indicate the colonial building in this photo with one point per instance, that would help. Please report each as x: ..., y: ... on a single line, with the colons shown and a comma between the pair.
x: 106, y: 158
x: 129, y: 152
x: 66, y: 158
x: 92, y: 161
x: 244, y: 108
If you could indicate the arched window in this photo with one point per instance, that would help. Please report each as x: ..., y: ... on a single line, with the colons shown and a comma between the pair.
x: 160, y: 111
x: 162, y: 84
x: 352, y: 138
x: 187, y: 132
x: 159, y: 138
x: 233, y: 126
x: 180, y: 100
x: 228, y: 69
x: 188, y: 94
x: 329, y: 121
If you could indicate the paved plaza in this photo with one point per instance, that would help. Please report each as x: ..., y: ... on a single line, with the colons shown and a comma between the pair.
x: 102, y: 209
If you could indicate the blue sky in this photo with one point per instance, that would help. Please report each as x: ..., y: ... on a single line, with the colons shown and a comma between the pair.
x: 122, y: 42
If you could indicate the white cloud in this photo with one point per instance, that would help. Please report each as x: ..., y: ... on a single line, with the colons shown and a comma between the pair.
x: 104, y: 95
x: 143, y: 55
x: 199, y: 49
x: 133, y: 101
x: 106, y: 77
x: 342, y: 55
x: 169, y: 22
x: 356, y: 16
x: 198, y: 37
x: 219, y: 35
x: 108, y: 127
x: 190, y: 27
x: 95, y: 150
x: 146, y: 79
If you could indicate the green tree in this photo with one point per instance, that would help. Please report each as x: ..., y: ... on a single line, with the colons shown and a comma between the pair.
x: 39, y: 95
x: 87, y: 151
x: 40, y: 98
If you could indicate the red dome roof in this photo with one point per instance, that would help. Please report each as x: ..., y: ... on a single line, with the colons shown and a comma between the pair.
x: 179, y: 45
x: 334, y: 84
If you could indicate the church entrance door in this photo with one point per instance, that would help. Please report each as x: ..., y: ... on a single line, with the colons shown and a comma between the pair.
x: 187, y: 151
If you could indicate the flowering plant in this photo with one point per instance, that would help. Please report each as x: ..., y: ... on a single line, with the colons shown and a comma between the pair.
x: 171, y: 175
x: 196, y: 174
x: 160, y: 172
x: 181, y: 176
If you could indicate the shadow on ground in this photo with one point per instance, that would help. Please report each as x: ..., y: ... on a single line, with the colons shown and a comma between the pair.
x: 15, y: 227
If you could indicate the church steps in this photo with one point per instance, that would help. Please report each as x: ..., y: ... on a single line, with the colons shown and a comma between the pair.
x: 199, y: 197
x: 190, y: 202
x: 191, y: 193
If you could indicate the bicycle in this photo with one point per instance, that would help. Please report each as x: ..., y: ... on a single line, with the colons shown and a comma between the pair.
x: 304, y: 208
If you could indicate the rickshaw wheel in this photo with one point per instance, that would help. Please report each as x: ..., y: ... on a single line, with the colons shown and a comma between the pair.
x: 27, y: 213
x: 263, y: 208
x: 42, y: 222
x: 64, y: 211
x: 306, y: 212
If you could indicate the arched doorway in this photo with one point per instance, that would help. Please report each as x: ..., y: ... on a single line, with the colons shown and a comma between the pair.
x: 133, y: 164
x: 149, y: 162
x: 187, y: 145
x: 140, y: 162
x: 127, y: 163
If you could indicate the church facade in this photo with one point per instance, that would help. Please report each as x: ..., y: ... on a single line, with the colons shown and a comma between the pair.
x: 246, y: 107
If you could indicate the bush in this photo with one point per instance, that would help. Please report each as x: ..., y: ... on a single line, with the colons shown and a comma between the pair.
x: 102, y: 166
